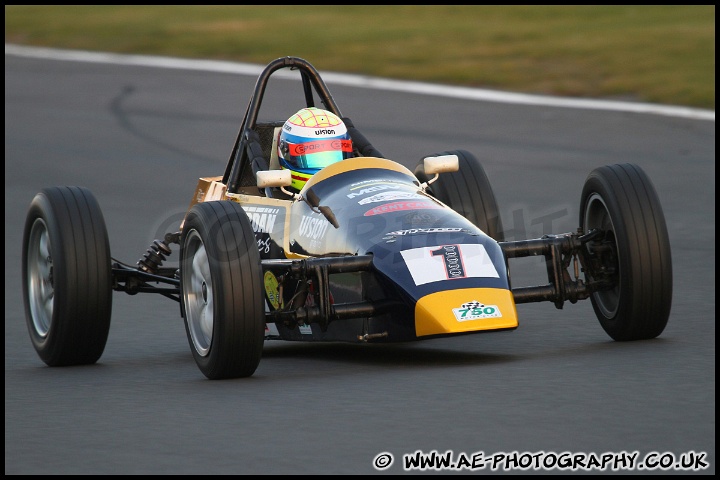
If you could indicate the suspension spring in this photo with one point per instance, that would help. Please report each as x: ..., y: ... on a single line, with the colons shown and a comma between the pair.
x: 155, y: 256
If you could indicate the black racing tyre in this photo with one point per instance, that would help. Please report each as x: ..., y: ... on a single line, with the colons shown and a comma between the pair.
x: 221, y: 282
x: 622, y: 201
x: 67, y: 276
x: 468, y: 192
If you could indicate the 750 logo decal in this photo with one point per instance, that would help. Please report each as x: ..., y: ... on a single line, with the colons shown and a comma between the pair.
x: 475, y: 311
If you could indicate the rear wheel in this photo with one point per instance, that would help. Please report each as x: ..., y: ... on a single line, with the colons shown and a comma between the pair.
x: 67, y: 276
x: 221, y: 282
x: 622, y: 201
x: 468, y: 192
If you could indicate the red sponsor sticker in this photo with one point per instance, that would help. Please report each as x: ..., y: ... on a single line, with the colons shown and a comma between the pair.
x: 298, y: 149
x: 400, y: 206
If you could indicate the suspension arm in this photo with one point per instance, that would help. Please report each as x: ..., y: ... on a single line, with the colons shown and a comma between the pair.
x: 133, y: 281
x: 342, y: 264
x: 319, y: 269
x: 560, y: 251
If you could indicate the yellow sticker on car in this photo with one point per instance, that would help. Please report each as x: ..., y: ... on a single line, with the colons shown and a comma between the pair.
x: 272, y: 290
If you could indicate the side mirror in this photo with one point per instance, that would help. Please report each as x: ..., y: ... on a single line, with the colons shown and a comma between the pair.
x: 441, y: 164
x: 438, y: 165
x: 274, y: 178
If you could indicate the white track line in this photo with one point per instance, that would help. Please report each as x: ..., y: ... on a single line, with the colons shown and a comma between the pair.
x: 360, y: 81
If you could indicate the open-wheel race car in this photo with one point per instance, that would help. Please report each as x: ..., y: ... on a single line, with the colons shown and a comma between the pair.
x: 365, y: 251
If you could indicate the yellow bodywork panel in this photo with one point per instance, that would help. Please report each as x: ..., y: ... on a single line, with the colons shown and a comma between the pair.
x: 465, y: 310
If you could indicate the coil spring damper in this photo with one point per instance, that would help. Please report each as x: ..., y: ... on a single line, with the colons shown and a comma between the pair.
x: 157, y: 253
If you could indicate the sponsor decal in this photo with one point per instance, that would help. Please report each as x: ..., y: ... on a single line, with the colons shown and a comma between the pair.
x: 299, y: 149
x: 261, y: 218
x: 367, y: 190
x: 354, y: 186
x: 389, y: 196
x: 378, y: 181
x: 424, y: 231
x: 400, y: 206
x: 272, y: 290
x: 420, y: 219
x: 476, y: 311
x: 263, y: 244
x: 448, y: 262
x: 263, y: 221
x: 313, y: 228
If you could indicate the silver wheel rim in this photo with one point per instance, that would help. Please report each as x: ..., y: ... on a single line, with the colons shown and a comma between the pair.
x: 598, y: 216
x: 41, y: 294
x: 198, y: 291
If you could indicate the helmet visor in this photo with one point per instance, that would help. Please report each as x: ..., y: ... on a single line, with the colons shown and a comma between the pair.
x: 318, y: 153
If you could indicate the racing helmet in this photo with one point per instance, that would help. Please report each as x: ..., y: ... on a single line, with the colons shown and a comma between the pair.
x: 310, y: 140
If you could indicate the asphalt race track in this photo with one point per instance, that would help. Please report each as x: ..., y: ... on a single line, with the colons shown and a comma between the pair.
x: 140, y: 137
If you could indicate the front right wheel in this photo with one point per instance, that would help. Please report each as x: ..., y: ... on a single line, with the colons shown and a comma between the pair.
x: 221, y: 283
x: 621, y: 201
x: 67, y: 276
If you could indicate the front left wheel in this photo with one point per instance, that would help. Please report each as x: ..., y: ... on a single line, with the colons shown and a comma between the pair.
x: 221, y: 282
x: 67, y: 276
